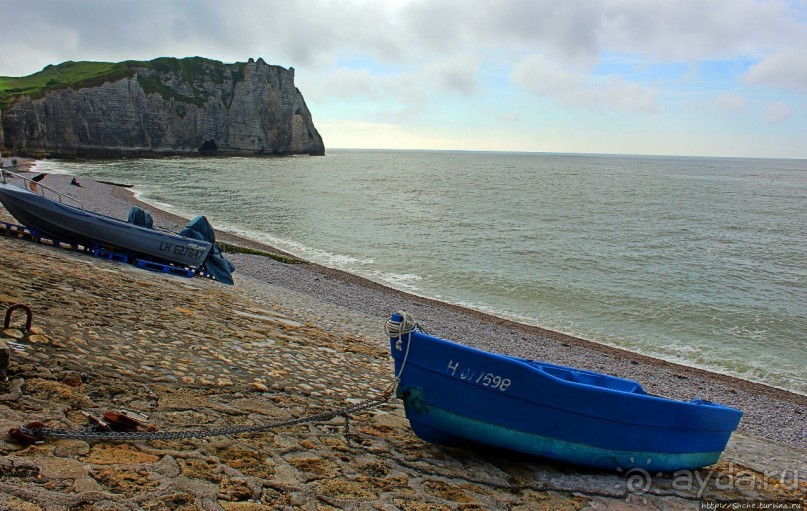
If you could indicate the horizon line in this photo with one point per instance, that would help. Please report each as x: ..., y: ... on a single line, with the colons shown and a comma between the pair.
x: 557, y: 153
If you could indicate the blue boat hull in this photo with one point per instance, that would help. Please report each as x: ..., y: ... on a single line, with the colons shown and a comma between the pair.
x: 456, y: 395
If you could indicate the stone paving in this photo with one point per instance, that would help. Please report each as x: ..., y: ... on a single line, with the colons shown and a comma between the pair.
x: 191, y: 353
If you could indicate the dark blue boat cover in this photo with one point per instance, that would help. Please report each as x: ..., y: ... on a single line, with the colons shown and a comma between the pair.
x: 140, y: 217
x: 215, y: 264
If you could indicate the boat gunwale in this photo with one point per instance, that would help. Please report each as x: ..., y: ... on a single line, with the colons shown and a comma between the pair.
x: 694, y: 404
x: 124, y: 223
x: 4, y: 174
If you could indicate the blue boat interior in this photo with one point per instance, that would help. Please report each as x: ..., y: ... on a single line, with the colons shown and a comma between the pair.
x: 587, y: 378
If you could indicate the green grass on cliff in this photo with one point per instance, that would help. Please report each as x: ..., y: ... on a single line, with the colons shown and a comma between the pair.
x: 78, y: 75
x: 67, y: 74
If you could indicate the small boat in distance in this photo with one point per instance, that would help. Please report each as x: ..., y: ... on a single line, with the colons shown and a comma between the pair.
x: 54, y: 214
x: 460, y: 396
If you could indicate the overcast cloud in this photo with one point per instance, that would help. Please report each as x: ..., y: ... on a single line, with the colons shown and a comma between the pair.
x: 513, y: 69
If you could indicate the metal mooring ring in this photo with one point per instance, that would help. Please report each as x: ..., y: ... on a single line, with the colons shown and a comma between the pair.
x: 28, y: 312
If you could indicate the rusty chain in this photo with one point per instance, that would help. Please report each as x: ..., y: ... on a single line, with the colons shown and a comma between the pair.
x: 36, y: 431
x: 91, y: 433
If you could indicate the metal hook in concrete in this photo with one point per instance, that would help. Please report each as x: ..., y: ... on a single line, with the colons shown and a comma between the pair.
x: 28, y: 313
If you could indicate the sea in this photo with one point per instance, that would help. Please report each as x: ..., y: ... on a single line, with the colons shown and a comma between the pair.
x: 699, y: 261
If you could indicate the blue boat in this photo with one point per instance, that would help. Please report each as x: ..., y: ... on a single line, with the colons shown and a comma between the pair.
x: 460, y: 396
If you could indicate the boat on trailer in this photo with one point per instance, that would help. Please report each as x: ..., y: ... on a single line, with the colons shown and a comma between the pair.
x: 460, y: 396
x: 57, y: 215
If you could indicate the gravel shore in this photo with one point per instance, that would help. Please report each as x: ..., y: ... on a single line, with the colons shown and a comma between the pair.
x: 769, y: 412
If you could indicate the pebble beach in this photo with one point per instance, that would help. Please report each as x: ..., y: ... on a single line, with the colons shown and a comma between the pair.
x: 286, y: 341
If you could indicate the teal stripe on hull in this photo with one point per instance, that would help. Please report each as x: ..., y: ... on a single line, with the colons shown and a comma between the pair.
x: 430, y: 422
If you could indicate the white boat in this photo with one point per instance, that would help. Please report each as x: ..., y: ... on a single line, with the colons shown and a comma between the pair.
x: 61, y: 217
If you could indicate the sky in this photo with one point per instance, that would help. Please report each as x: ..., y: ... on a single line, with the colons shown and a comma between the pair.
x: 665, y: 77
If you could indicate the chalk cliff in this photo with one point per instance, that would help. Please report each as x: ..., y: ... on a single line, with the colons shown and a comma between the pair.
x: 162, y: 107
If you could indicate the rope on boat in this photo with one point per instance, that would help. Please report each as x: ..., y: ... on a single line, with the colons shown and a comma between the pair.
x: 397, y: 329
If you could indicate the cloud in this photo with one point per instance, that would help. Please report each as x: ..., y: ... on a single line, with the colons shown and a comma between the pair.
x: 407, y: 98
x: 458, y: 74
x: 578, y: 32
x: 785, y: 69
x: 565, y: 31
x: 368, y: 94
x: 775, y: 112
x: 448, y: 26
x: 510, y: 117
x: 624, y: 95
x: 321, y: 33
x: 731, y: 102
x: 349, y: 84
x: 50, y: 32
x: 540, y: 76
x: 690, y: 30
x: 382, y: 135
x: 545, y: 78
